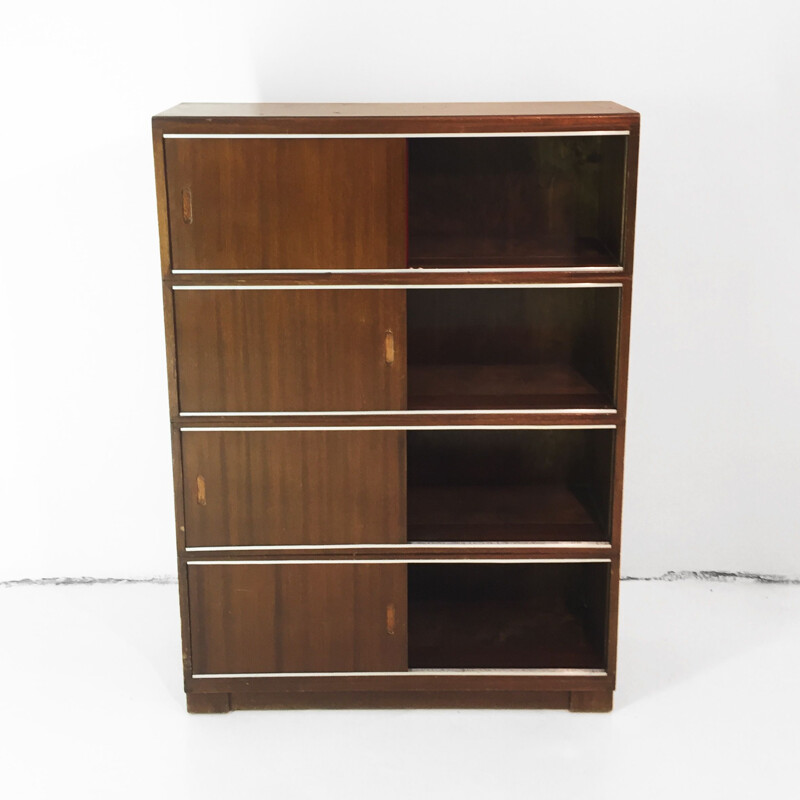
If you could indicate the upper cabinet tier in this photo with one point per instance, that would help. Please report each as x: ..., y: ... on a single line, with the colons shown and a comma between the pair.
x: 286, y: 204
x: 557, y: 200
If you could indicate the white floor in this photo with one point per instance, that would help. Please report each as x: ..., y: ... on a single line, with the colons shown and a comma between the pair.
x: 707, y: 707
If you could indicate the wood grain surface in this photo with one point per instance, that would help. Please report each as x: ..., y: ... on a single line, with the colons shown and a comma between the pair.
x: 297, y: 618
x: 286, y: 204
x: 289, y: 350
x: 295, y: 487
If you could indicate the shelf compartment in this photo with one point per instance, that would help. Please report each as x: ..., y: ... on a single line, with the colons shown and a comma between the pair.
x: 554, y: 201
x: 508, y: 616
x: 521, y: 348
x: 509, y: 485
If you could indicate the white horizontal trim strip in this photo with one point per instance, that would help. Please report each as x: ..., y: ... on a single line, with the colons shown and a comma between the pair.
x: 410, y: 560
x: 481, y: 135
x: 400, y: 271
x: 217, y: 428
x: 317, y: 287
x: 400, y: 545
x: 190, y: 414
x: 533, y: 672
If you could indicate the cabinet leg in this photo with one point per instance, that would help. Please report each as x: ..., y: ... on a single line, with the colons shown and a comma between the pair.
x: 591, y: 701
x: 218, y: 703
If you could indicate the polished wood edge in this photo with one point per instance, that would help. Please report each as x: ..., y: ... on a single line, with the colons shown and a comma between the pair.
x: 398, y: 109
x: 186, y: 627
x: 617, y: 486
x: 400, y: 419
x: 208, y: 703
x: 159, y: 161
x: 401, y: 278
x: 171, y: 351
x: 396, y: 125
x: 410, y: 682
x: 612, y: 619
x: 629, y: 210
x: 623, y: 346
x: 410, y: 552
x: 595, y: 701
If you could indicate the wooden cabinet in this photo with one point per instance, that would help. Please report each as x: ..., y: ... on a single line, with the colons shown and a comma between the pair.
x: 397, y: 342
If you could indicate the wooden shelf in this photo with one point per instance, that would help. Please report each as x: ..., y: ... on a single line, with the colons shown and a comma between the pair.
x: 437, y: 251
x: 496, y: 635
x: 544, y: 513
x: 484, y: 386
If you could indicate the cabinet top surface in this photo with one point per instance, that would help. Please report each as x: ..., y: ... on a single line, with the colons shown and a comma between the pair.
x: 229, y: 110
x: 397, y: 117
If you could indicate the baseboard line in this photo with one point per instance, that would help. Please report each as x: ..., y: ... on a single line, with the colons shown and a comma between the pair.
x: 667, y: 577
x: 84, y: 581
x: 715, y: 575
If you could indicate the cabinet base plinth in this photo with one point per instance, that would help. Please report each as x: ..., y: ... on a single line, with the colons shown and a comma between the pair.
x: 198, y: 703
x: 602, y: 701
x: 216, y: 703
x: 222, y: 702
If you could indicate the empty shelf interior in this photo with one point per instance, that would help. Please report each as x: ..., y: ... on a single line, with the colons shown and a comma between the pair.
x: 509, y: 485
x: 528, y: 201
x: 507, y: 616
x: 531, y: 348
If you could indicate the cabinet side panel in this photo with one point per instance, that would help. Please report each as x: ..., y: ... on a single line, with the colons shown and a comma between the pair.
x: 161, y: 199
x: 631, y: 180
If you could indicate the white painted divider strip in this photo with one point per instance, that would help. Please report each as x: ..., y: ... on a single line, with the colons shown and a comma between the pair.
x: 466, y: 546
x: 528, y: 673
x: 190, y: 414
x: 190, y: 429
x: 409, y: 560
x: 396, y: 271
x: 481, y: 135
x: 319, y: 288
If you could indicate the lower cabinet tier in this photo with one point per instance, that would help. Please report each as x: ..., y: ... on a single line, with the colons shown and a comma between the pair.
x: 248, y: 488
x: 338, y: 618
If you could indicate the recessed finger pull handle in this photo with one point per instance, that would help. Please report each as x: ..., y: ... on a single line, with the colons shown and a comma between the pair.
x: 391, y: 619
x: 186, y: 201
x: 201, y: 490
x: 389, y: 347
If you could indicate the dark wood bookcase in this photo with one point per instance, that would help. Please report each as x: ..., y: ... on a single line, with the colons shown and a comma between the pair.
x: 397, y: 344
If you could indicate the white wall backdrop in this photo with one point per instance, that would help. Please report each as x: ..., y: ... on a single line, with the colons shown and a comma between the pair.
x: 713, y: 457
